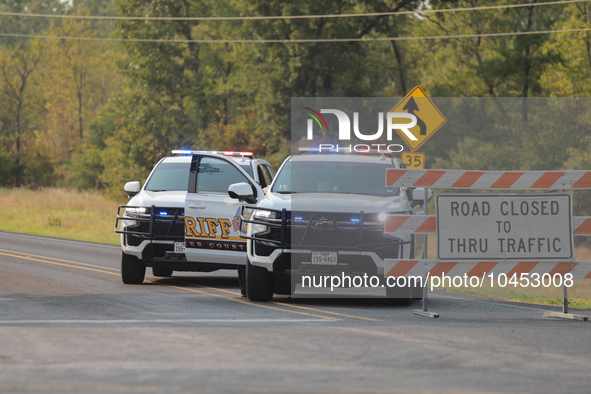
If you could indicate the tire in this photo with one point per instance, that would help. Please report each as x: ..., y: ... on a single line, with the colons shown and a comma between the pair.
x: 162, y: 271
x: 242, y: 279
x: 259, y: 283
x: 133, y: 269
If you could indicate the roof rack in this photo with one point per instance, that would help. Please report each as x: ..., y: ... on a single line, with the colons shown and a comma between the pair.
x: 186, y: 152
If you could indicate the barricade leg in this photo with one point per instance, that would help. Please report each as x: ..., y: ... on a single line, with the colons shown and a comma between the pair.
x: 425, y: 312
x: 564, y: 314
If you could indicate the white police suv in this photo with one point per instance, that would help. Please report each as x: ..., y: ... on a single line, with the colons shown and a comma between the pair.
x: 325, y: 213
x: 183, y: 219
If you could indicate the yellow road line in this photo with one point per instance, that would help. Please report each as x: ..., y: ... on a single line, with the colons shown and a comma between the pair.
x: 259, y: 305
x: 64, y: 265
x: 65, y: 261
x: 224, y: 290
x: 297, y: 306
x: 207, y: 287
x: 176, y: 287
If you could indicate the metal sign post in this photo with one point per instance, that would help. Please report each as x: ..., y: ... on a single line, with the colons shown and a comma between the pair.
x: 425, y: 311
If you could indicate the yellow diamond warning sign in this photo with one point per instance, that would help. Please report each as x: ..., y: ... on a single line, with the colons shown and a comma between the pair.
x: 429, y: 118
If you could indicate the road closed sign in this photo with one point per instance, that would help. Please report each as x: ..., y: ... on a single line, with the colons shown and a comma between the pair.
x: 504, y: 227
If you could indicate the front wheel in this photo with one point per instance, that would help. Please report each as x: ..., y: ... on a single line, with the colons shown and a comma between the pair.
x: 133, y: 269
x: 259, y: 283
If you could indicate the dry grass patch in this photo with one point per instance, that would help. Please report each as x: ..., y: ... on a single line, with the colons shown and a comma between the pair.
x: 61, y: 213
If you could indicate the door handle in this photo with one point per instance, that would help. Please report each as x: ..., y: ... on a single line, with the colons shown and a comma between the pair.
x: 197, y: 206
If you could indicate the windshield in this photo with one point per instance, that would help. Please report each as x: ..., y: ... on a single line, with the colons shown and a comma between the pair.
x: 333, y: 177
x: 169, y: 177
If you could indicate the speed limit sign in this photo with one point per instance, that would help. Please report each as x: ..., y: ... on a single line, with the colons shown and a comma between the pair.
x: 414, y: 160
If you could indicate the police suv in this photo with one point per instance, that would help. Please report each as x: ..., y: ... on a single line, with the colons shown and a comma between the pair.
x: 324, y: 213
x: 183, y: 219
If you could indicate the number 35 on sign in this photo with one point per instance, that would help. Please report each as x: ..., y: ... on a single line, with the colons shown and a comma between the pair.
x: 414, y: 160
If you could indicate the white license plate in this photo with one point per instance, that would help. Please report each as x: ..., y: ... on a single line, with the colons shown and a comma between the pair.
x: 179, y: 247
x: 326, y: 258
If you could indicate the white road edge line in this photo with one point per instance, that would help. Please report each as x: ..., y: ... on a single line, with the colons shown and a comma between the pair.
x: 133, y: 321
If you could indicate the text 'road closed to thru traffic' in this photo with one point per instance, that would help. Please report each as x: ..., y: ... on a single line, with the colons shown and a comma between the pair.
x: 499, y: 227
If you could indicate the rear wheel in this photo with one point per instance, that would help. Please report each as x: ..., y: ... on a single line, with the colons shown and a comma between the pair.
x: 259, y: 283
x: 133, y: 269
x: 161, y: 271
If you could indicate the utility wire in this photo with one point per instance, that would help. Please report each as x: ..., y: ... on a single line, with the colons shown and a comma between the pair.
x: 244, y: 18
x: 302, y: 40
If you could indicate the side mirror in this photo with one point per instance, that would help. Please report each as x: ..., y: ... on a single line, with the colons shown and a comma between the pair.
x: 418, y: 194
x: 132, y: 188
x: 242, y: 191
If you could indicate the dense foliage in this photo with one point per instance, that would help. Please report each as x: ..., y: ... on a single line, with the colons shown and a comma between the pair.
x: 95, y: 114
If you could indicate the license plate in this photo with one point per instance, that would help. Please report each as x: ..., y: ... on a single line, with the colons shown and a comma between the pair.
x: 325, y: 258
x: 179, y: 247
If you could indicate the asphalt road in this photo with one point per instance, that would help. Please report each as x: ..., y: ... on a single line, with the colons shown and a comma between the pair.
x: 68, y: 324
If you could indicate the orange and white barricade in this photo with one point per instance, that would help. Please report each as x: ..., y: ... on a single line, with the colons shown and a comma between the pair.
x: 493, y: 264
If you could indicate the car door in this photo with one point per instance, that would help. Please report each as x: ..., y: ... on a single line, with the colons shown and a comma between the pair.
x: 211, y: 216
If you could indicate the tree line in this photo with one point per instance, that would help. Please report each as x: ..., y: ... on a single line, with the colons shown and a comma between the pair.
x: 95, y: 114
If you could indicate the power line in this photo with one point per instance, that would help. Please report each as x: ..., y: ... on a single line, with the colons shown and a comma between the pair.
x: 243, y: 18
x: 295, y: 41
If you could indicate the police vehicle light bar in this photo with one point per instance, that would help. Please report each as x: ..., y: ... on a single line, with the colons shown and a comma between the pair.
x: 225, y: 153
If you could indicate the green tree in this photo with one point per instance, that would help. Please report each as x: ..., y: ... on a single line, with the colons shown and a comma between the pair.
x: 19, y: 87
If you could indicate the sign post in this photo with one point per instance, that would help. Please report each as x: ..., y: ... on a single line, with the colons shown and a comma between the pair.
x: 429, y: 120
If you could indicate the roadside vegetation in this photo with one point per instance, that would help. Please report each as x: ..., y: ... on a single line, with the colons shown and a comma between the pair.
x: 96, y: 114
x: 62, y: 213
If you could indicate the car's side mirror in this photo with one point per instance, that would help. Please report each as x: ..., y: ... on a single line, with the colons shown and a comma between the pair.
x: 242, y: 191
x: 132, y: 188
x: 418, y: 194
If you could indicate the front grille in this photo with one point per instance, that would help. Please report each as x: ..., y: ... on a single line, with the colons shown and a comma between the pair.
x: 335, y: 230
x: 323, y: 229
x: 162, y: 223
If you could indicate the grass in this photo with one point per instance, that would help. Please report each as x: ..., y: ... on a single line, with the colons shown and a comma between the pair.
x: 579, y: 295
x: 61, y: 213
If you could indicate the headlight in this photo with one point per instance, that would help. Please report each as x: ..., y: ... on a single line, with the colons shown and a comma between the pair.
x: 378, y: 219
x: 264, y: 214
x: 135, y: 211
x: 258, y: 229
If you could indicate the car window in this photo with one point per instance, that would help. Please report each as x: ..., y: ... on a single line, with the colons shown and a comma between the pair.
x: 169, y: 177
x: 269, y: 172
x: 264, y: 178
x: 248, y: 168
x: 216, y: 175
